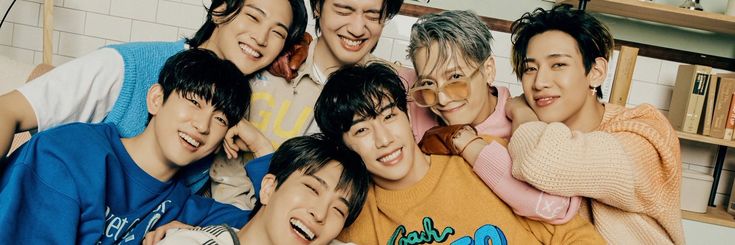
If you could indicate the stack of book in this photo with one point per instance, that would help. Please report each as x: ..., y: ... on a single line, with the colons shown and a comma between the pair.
x: 703, y: 102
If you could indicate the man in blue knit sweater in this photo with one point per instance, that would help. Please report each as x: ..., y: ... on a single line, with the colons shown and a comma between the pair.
x: 84, y: 184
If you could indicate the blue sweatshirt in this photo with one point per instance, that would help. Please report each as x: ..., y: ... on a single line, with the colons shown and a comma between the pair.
x: 76, y: 184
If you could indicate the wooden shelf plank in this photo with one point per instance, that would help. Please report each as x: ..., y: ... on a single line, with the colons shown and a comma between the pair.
x: 714, y: 215
x: 705, y: 139
x: 662, y: 13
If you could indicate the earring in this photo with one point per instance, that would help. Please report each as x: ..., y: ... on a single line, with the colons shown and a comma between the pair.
x: 593, y: 90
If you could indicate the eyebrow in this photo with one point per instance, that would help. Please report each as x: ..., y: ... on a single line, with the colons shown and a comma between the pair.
x: 266, y: 15
x: 548, y: 56
x: 350, y: 8
x: 326, y: 186
x: 362, y: 119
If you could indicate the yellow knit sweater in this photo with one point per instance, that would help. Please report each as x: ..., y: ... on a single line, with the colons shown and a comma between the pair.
x: 451, y: 204
x: 629, y: 168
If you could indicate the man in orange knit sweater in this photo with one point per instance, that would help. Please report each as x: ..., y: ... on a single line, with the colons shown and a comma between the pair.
x: 416, y: 198
x: 626, y: 161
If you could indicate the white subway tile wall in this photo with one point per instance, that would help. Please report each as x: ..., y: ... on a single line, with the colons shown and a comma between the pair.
x: 85, y: 25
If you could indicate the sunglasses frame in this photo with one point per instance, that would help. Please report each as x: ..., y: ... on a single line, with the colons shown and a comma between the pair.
x: 440, y: 89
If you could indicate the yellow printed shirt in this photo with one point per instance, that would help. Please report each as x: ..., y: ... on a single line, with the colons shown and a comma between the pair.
x: 452, y: 205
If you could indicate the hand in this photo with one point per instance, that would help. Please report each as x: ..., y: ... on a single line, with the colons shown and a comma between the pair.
x: 243, y: 137
x: 155, y: 236
x: 517, y: 108
x: 287, y: 65
x: 441, y: 140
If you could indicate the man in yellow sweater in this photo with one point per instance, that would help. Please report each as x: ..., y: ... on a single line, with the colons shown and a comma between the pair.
x: 416, y: 198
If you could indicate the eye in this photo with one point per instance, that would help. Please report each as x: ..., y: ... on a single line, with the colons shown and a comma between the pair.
x: 374, y: 17
x: 222, y: 120
x: 313, y: 190
x: 279, y: 34
x: 360, y: 131
x: 427, y: 82
x: 253, y: 18
x: 340, y: 212
x: 558, y: 65
x: 455, y: 76
x: 193, y: 102
x: 529, y: 69
x: 390, y: 116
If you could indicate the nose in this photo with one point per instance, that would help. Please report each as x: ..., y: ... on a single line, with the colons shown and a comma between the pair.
x: 201, y: 122
x: 383, y: 137
x: 260, y: 35
x: 541, y: 80
x: 442, y: 99
x: 357, y: 27
x: 319, y: 212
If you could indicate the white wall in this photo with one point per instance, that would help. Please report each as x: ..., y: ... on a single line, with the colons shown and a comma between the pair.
x: 82, y: 26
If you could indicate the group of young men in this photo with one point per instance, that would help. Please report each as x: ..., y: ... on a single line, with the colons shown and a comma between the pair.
x: 347, y: 165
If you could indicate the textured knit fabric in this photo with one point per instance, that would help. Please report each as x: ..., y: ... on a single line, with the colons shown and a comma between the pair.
x: 208, y: 235
x: 143, y: 62
x: 76, y: 184
x: 451, y: 204
x: 493, y: 166
x: 630, y: 168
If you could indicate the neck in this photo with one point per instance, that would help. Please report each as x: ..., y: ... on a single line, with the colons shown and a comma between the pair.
x: 488, y: 110
x: 208, y: 44
x: 253, y: 232
x: 324, y: 59
x: 419, y: 169
x: 146, y: 153
x: 589, y: 117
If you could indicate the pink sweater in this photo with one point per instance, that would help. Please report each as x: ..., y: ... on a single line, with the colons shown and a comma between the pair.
x: 494, y: 165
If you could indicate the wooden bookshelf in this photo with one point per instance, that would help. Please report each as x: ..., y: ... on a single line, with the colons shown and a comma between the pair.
x: 705, y: 139
x: 714, y: 215
x: 662, y: 13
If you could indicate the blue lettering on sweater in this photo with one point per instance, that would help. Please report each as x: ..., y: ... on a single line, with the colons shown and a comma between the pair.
x: 486, y: 234
x: 116, y: 225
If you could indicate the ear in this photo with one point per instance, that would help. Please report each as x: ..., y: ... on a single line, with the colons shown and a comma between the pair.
x: 488, y: 68
x: 598, y: 72
x: 154, y: 99
x: 267, y: 187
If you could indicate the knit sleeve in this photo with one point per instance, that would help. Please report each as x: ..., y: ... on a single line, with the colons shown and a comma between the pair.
x: 493, y: 166
x: 621, y: 168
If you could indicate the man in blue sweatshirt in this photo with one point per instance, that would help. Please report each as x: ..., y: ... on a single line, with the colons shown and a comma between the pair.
x: 84, y: 184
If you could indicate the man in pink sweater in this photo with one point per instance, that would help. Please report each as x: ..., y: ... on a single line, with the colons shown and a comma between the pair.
x: 625, y: 161
x: 453, y: 57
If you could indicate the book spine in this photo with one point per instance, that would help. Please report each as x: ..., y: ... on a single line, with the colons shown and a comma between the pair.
x: 730, y: 126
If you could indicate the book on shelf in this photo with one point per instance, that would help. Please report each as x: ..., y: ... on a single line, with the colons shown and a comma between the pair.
x: 709, y: 105
x: 726, y: 86
x: 687, y: 100
x: 730, y: 125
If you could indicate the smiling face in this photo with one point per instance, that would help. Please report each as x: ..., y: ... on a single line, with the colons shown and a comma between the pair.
x: 350, y: 29
x: 254, y: 37
x: 387, y: 146
x: 187, y: 128
x: 304, y: 209
x: 435, y: 73
x: 555, y: 83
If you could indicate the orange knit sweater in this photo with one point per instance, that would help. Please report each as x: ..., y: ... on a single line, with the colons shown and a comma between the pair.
x: 629, y: 168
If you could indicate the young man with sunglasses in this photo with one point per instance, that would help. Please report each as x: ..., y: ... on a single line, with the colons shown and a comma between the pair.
x: 417, y: 198
x: 452, y: 55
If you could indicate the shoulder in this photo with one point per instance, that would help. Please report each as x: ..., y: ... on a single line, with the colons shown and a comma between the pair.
x: 215, y: 234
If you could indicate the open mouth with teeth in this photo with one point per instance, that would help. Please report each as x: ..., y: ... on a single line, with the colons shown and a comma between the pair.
x: 351, y: 44
x: 250, y: 51
x: 302, y: 230
x: 188, y: 139
x: 392, y: 157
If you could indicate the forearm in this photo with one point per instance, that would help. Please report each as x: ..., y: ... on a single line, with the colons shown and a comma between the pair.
x: 16, y: 115
x: 493, y: 166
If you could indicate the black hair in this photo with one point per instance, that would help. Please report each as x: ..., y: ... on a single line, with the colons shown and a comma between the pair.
x: 309, y: 154
x: 388, y: 10
x: 233, y: 8
x: 593, y: 38
x: 200, y: 72
x: 357, y: 90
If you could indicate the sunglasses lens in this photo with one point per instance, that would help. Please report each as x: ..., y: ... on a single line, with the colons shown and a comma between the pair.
x: 457, y: 90
x: 424, y: 97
